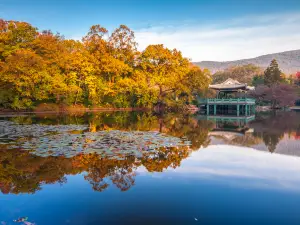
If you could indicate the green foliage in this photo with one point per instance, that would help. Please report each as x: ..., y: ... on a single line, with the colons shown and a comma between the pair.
x: 102, y: 70
x: 272, y: 74
x: 257, y: 80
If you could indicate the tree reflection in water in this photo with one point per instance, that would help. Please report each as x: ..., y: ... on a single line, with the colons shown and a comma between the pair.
x: 271, y: 128
x: 267, y: 129
x: 23, y: 172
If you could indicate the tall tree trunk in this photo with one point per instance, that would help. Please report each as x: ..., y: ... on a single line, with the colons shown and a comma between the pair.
x: 76, y: 97
x: 160, y: 93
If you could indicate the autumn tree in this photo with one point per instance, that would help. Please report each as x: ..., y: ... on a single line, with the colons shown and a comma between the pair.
x: 165, y: 71
x: 25, y: 74
x: 102, y: 70
x: 123, y: 45
x: 107, y: 66
x: 243, y: 74
x: 15, y: 35
x: 197, y: 79
x: 19, y: 65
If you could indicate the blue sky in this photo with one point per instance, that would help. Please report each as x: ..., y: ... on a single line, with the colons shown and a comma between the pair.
x: 202, y: 30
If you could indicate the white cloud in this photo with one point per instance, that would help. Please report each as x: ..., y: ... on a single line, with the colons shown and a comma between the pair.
x: 240, y: 167
x: 227, y: 40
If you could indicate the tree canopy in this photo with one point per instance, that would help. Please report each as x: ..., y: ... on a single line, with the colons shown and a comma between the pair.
x: 243, y: 74
x: 272, y: 74
x: 101, y: 70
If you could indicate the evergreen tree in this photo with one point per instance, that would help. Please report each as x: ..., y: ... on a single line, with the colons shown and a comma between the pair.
x: 272, y: 74
x: 257, y: 80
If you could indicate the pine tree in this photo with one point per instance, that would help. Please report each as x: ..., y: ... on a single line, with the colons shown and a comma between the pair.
x: 272, y: 74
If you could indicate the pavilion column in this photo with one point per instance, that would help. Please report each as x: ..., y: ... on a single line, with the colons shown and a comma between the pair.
x: 215, y: 109
x: 207, y: 109
x: 246, y: 110
x: 238, y: 109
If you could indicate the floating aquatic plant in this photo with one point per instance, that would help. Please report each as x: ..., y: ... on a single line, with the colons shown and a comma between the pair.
x: 70, y: 140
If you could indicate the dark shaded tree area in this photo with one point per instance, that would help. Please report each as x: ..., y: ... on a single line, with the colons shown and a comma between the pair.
x: 273, y: 89
x: 277, y: 95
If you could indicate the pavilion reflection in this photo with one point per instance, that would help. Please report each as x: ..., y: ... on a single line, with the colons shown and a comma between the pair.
x: 233, y: 130
x: 273, y: 132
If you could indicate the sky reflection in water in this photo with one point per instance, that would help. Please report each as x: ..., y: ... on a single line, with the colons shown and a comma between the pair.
x: 232, y: 179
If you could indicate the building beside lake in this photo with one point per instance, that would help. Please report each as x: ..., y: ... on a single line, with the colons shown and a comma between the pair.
x: 231, y: 99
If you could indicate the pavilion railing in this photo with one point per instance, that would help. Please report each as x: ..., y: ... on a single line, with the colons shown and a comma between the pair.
x: 228, y: 100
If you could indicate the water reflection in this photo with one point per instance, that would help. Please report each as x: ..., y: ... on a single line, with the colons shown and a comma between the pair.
x: 275, y: 127
x: 25, y: 171
x: 242, y: 167
x: 268, y: 132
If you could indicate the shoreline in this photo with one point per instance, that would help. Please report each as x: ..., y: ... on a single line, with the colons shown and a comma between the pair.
x: 74, y: 110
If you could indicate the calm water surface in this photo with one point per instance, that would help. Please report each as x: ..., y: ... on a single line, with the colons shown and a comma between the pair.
x: 138, y: 168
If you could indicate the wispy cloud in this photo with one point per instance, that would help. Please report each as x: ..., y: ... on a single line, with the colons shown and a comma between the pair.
x: 240, y: 166
x: 245, y: 37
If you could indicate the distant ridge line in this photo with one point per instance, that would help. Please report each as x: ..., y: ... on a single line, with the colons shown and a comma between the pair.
x: 289, y: 62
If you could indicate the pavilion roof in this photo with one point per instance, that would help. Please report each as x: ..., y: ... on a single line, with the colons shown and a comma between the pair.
x: 228, y: 85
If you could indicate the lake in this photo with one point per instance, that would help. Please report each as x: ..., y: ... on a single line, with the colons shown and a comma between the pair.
x: 140, y: 168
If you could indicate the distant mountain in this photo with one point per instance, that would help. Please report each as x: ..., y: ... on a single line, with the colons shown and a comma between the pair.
x: 289, y: 62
